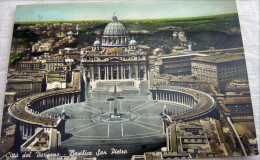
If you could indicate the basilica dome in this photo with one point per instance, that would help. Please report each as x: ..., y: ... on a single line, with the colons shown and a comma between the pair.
x: 114, y: 28
x: 115, y: 34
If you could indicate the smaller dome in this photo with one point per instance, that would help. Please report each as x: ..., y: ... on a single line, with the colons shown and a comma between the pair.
x: 132, y: 42
x: 97, y: 42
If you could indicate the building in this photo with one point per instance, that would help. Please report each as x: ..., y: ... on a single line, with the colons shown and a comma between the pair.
x: 10, y: 97
x: 186, y: 140
x: 155, y: 64
x: 189, y: 82
x: 24, y: 66
x: 42, y: 45
x: 70, y: 53
x: 58, y: 63
x: 158, y: 51
x: 10, y: 131
x: 177, y: 64
x: 179, y: 35
x: 197, y: 138
x: 192, y: 138
x: 220, y: 69
x: 24, y: 85
x: 116, y: 57
x: 182, y: 36
x: 238, y: 86
x: 237, y: 106
x: 56, y: 80
x: 44, y: 140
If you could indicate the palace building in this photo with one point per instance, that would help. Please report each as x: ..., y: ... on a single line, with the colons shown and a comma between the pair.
x: 220, y: 69
x: 115, y: 56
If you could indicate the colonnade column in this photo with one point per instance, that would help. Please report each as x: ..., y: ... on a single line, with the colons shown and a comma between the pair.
x: 117, y: 72
x: 26, y: 130
x: 108, y: 73
x: 92, y: 73
x: 122, y: 72
x: 72, y: 99
x: 107, y: 69
x: 21, y: 129
x: 145, y: 73
x: 30, y: 131
x: 130, y: 72
x: 68, y: 99
x: 105, y: 77
x: 136, y: 72
x: 78, y: 98
x: 99, y: 74
x: 64, y: 97
x: 112, y: 73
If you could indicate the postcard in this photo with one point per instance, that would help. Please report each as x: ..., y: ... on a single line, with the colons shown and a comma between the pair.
x: 127, y: 80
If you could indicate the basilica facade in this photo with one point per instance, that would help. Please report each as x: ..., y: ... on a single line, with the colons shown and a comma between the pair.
x: 115, y: 56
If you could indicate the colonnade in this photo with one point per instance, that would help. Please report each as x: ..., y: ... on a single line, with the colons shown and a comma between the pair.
x: 43, y: 103
x: 27, y: 130
x: 26, y: 112
x: 174, y: 96
x: 118, y: 72
x: 52, y: 101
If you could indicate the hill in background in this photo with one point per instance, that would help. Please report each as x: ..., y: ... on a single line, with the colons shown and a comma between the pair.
x: 218, y: 31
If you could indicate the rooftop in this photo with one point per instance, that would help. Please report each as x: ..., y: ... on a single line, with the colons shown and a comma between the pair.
x: 115, y: 50
x: 224, y: 50
x: 237, y: 100
x: 24, y: 79
x: 181, y: 54
x: 221, y: 58
x: 29, y: 62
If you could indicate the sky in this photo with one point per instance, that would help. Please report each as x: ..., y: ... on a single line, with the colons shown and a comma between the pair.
x: 124, y: 10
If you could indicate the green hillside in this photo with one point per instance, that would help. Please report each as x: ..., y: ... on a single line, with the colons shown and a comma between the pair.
x: 204, y: 23
x: 203, y: 32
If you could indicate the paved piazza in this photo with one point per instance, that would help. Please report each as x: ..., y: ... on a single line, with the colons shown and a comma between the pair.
x: 139, y: 123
